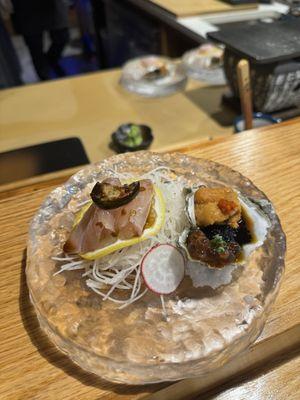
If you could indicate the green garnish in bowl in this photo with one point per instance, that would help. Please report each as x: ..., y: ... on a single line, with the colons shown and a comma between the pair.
x: 134, y: 136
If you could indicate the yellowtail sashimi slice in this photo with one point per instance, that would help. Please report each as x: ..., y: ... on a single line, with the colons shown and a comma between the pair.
x: 163, y: 268
x: 159, y: 208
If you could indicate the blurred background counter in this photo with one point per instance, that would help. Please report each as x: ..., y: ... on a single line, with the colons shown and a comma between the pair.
x: 129, y: 28
x: 91, y: 107
x: 107, y: 33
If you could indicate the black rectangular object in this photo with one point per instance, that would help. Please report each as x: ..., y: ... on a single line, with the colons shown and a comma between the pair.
x: 41, y: 159
x: 237, y: 2
x: 264, y: 42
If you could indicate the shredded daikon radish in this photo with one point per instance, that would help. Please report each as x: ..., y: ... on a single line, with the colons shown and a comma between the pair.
x: 66, y: 258
x: 113, y: 273
x: 163, y: 306
x: 83, y: 203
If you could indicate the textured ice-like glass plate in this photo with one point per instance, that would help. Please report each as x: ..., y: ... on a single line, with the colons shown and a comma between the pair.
x: 197, y: 67
x: 134, y: 72
x: 207, y: 326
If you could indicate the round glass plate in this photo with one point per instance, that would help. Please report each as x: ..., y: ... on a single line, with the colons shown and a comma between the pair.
x: 153, y: 76
x: 206, y: 326
x: 198, y: 65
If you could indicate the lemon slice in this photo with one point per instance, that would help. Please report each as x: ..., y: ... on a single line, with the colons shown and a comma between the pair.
x: 80, y: 214
x: 159, y: 208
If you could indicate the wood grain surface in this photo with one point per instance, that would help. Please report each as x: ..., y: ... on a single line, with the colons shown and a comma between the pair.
x: 279, y: 382
x: 184, y: 8
x: 32, y: 368
x: 91, y: 107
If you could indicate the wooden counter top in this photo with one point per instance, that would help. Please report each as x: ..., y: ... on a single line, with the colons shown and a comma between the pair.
x: 184, y: 8
x: 279, y: 381
x: 93, y: 106
x: 32, y: 368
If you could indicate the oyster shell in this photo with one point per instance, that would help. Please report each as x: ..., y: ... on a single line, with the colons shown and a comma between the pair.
x: 258, y: 220
x: 190, y: 206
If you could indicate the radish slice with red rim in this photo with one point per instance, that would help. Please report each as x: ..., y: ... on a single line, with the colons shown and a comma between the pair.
x: 163, y: 268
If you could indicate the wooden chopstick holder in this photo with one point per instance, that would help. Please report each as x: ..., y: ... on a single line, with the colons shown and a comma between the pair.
x: 243, y: 74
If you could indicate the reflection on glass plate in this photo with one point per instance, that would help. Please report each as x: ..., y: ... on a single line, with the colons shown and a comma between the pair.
x: 212, y: 316
x: 205, y: 63
x: 153, y: 76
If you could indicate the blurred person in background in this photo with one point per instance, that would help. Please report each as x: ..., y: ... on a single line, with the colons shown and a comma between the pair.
x: 86, y: 25
x: 10, y: 69
x: 31, y: 19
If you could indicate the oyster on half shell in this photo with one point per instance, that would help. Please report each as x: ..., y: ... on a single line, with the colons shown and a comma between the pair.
x: 257, y: 223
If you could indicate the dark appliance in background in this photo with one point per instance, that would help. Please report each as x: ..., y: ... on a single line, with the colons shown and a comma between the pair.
x: 273, y: 51
x: 123, y: 32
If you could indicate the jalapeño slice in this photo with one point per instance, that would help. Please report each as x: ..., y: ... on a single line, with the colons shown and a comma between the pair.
x: 107, y: 196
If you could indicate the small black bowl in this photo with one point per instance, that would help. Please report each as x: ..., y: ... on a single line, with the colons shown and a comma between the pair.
x: 120, y: 135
